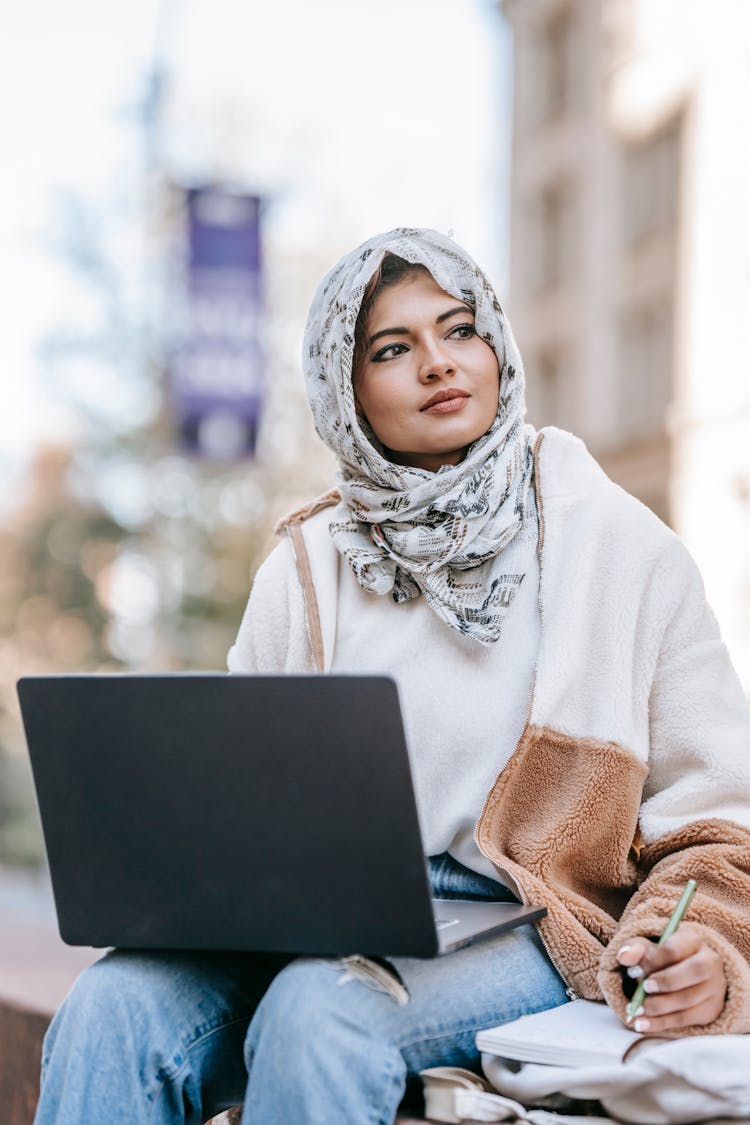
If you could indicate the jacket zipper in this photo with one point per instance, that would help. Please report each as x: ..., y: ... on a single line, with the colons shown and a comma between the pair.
x: 513, y: 885
x: 507, y: 877
x: 532, y: 688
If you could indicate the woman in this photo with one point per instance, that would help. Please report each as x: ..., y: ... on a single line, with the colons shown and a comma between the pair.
x: 577, y: 734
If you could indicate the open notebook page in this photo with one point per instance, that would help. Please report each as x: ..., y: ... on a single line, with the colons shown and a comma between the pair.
x: 572, y: 1034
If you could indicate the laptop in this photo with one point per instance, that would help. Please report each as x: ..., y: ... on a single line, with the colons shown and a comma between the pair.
x: 248, y: 813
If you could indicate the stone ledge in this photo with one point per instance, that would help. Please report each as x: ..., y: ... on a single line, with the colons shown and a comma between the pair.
x: 232, y: 1117
x: 21, y: 1034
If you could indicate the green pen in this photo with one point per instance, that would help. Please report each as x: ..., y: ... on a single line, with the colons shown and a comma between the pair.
x: 677, y: 915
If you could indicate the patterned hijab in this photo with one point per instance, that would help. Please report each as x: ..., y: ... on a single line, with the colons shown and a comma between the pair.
x: 462, y: 536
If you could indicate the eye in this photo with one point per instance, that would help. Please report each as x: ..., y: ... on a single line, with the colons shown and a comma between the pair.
x: 463, y: 331
x: 390, y: 351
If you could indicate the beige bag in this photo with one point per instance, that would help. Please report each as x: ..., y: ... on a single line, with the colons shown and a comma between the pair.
x: 455, y: 1095
x: 702, y: 1078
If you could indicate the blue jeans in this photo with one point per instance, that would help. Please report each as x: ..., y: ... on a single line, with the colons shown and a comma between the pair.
x: 176, y: 1037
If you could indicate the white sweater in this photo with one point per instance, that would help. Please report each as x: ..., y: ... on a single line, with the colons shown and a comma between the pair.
x: 464, y: 704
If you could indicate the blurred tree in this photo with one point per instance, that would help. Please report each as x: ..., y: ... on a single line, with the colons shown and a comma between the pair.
x: 121, y: 553
x: 50, y: 620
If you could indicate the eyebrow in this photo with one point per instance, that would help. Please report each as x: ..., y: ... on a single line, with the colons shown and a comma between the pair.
x: 438, y: 320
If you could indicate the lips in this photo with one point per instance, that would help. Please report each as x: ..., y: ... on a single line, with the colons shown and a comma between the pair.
x: 443, y: 396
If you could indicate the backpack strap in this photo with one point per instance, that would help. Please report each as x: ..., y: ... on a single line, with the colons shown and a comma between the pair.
x: 291, y: 525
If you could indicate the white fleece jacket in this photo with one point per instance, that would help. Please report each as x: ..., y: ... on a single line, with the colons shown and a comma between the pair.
x: 633, y: 770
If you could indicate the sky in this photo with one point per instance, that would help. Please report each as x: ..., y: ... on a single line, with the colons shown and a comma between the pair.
x: 64, y: 69
x: 350, y: 117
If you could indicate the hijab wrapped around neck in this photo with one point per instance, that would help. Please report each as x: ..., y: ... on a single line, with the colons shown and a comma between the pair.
x: 462, y: 536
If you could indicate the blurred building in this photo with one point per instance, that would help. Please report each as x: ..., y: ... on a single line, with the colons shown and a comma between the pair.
x: 630, y: 258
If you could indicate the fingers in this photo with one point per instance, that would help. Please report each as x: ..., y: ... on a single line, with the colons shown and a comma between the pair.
x: 680, y: 975
x: 685, y: 982
x: 632, y: 952
x: 698, y: 1014
x: 650, y: 958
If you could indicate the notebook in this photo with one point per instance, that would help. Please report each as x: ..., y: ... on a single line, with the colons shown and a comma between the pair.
x: 579, y: 1033
x: 249, y: 813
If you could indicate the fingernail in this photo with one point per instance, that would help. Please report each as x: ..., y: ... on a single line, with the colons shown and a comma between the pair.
x: 641, y: 1025
x: 635, y: 971
x: 651, y: 985
x: 624, y: 949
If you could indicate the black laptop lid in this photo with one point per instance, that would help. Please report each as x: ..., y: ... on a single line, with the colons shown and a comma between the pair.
x: 229, y: 812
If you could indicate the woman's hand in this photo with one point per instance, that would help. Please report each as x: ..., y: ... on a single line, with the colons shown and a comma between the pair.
x: 686, y: 984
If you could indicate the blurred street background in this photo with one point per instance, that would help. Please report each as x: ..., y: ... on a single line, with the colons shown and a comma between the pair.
x: 178, y: 175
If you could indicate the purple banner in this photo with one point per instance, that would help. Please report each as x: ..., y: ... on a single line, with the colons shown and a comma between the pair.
x: 216, y: 367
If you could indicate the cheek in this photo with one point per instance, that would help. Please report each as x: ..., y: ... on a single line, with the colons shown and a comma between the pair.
x: 377, y: 397
x: 486, y: 365
x: 360, y: 394
x: 493, y: 382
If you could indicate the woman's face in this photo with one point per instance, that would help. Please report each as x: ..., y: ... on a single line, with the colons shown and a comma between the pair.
x: 427, y: 384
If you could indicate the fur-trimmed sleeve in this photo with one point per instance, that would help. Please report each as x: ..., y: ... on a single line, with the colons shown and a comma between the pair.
x: 695, y: 816
x: 717, y: 855
x: 272, y: 636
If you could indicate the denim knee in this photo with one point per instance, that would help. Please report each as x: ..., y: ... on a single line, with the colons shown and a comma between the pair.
x: 313, y: 1006
x: 319, y: 1049
x: 295, y: 1007
x: 112, y: 1000
x: 116, y: 985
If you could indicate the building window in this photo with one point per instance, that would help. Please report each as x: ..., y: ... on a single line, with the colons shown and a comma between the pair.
x: 550, y: 392
x: 549, y: 89
x: 650, y: 183
x: 645, y: 360
x: 551, y: 235
x: 619, y: 22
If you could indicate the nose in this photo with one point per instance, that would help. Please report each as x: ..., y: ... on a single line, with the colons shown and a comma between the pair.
x: 435, y: 361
